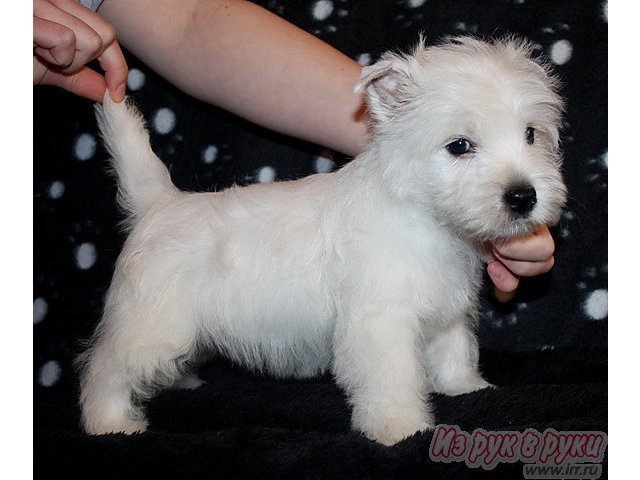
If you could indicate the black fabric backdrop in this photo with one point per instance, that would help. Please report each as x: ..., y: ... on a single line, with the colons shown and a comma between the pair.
x: 546, y: 350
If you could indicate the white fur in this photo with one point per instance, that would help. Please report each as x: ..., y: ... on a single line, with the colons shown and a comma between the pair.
x: 372, y: 271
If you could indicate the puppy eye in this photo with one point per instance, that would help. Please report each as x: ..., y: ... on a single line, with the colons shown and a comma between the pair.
x: 459, y: 146
x: 530, y: 135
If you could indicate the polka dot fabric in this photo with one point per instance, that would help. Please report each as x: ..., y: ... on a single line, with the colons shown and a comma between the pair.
x: 545, y: 351
x: 76, y: 232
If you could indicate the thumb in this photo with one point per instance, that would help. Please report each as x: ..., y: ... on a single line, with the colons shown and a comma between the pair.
x: 504, y: 280
x: 85, y: 82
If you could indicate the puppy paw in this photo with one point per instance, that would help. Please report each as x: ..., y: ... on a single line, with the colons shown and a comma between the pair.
x: 127, y: 426
x: 396, y: 430
x: 391, y: 426
x: 463, y: 385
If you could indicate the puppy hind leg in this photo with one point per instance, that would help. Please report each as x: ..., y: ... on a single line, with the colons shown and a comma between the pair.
x: 451, y: 361
x: 106, y: 395
x: 115, y: 380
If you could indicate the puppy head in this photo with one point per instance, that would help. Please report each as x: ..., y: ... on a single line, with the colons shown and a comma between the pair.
x: 469, y: 130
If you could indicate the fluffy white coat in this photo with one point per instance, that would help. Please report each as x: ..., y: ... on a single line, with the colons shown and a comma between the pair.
x: 372, y: 271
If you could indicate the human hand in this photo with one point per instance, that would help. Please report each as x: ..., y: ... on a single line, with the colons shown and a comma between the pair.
x: 526, y: 256
x: 66, y: 36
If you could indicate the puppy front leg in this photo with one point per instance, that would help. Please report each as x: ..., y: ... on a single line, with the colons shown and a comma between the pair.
x: 451, y: 361
x: 378, y: 363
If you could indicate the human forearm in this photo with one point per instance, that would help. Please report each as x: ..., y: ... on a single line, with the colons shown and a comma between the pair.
x: 249, y: 61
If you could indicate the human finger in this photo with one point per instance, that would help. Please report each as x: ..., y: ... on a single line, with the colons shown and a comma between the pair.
x: 52, y: 42
x: 536, y: 247
x: 88, y: 43
x: 110, y: 57
x: 525, y: 268
x: 115, y: 71
x: 502, y: 277
x: 85, y: 82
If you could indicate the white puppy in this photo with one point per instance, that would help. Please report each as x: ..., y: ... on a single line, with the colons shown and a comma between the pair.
x: 372, y: 271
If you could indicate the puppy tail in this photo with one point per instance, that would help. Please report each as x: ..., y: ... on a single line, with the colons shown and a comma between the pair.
x: 143, y: 179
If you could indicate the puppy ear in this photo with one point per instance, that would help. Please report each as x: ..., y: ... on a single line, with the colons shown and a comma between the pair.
x: 384, y: 85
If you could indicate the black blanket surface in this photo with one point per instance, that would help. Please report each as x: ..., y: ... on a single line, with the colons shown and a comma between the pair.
x: 238, y: 425
x: 546, y: 351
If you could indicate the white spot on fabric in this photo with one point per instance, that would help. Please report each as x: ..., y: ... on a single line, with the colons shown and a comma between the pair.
x: 86, y: 256
x: 40, y: 309
x: 415, y: 3
x: 605, y: 159
x: 210, y: 154
x: 266, y: 174
x: 324, y: 163
x: 50, y: 373
x: 593, y: 177
x: 364, y: 59
x: 605, y: 11
x: 597, y: 304
x: 561, y: 52
x: 85, y: 146
x: 135, y: 79
x: 164, y: 121
x: 56, y: 189
x: 322, y: 9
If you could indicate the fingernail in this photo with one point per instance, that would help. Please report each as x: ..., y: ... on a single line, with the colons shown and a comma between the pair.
x: 496, y: 271
x: 118, y: 94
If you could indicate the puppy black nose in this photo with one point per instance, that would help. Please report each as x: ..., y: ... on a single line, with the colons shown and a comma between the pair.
x: 520, y: 199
